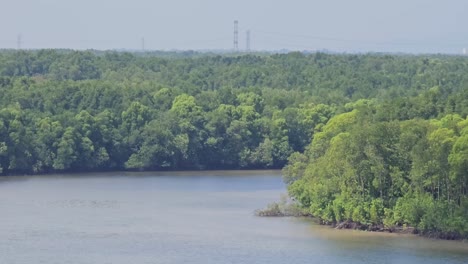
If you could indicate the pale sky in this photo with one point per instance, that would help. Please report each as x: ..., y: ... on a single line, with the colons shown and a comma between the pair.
x: 411, y: 26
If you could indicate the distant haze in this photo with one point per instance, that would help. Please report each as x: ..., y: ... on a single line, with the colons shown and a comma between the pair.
x: 410, y: 26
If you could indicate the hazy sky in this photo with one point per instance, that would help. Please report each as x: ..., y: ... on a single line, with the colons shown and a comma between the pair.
x: 417, y: 26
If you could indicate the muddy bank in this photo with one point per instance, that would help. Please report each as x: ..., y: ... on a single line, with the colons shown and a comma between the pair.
x: 395, y: 229
x: 287, y: 209
x: 372, y: 228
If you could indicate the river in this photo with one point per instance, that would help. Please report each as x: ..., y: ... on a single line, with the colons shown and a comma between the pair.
x: 185, y: 217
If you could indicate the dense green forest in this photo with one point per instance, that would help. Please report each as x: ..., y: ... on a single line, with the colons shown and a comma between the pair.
x: 374, y: 138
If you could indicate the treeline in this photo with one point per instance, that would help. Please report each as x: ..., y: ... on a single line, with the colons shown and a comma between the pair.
x: 48, y: 131
x: 86, y: 111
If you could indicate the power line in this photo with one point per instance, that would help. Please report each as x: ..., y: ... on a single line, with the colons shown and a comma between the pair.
x: 360, y: 41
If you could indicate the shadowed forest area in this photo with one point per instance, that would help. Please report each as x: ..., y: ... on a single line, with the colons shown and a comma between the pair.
x: 376, y: 139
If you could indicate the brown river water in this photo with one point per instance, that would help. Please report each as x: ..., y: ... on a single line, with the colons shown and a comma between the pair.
x: 182, y: 217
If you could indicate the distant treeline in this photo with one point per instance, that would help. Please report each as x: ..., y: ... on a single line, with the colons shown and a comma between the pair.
x: 375, y: 139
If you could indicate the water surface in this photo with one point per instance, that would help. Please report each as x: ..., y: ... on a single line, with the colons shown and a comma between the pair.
x: 189, y: 217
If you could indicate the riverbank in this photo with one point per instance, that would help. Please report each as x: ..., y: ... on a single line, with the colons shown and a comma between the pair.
x: 396, y: 229
x: 151, y: 172
x: 287, y: 208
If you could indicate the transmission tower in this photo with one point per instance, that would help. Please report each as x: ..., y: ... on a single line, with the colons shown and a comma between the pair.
x: 247, y: 41
x: 19, y: 41
x: 236, y: 35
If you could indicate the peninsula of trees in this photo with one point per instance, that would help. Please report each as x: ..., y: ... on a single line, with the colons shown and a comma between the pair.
x: 375, y: 139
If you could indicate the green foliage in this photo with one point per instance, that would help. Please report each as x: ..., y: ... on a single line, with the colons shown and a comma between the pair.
x: 389, y: 173
x: 376, y: 211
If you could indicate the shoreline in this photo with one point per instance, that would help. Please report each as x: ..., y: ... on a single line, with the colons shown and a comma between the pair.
x: 156, y: 172
x: 285, y: 209
x: 409, y: 230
